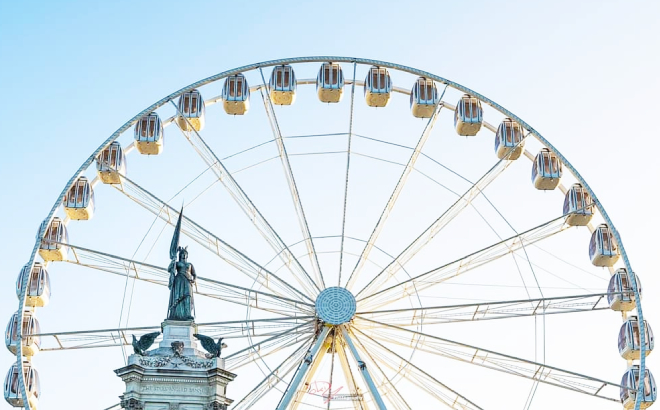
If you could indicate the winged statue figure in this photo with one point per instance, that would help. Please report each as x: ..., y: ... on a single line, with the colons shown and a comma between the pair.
x: 214, y: 349
x: 145, y: 342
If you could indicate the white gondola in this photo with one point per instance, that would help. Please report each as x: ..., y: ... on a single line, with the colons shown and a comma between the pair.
x: 282, y: 86
x: 509, y: 140
x: 38, y: 286
x: 621, y: 297
x: 547, y: 170
x: 377, y: 87
x: 149, y: 135
x: 468, y: 116
x: 30, y: 327
x: 629, y: 384
x: 53, y: 246
x: 603, y: 250
x: 191, y: 112
x: 424, y: 98
x: 330, y: 83
x: 12, y: 391
x: 630, y: 341
x: 236, y: 95
x: 578, y: 206
x: 79, y: 201
x: 110, y: 163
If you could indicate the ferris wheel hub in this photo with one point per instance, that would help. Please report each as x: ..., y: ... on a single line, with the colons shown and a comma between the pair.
x: 335, y: 305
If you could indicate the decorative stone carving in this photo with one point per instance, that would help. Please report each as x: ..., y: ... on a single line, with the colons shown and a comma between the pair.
x: 216, y: 406
x: 132, y: 404
x: 177, y: 348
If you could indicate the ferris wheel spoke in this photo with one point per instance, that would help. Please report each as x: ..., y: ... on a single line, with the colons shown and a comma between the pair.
x: 357, y: 399
x: 403, y: 178
x: 273, y: 378
x: 348, y: 167
x: 209, y: 287
x: 395, y: 397
x: 293, y: 188
x: 503, y: 363
x: 429, y: 315
x: 240, y: 197
x: 208, y: 240
x: 88, y: 339
x: 431, y: 385
x: 462, y: 265
x: 274, y: 344
x: 429, y: 233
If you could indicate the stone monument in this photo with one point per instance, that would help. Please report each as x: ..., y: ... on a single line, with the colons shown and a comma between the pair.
x: 177, y: 375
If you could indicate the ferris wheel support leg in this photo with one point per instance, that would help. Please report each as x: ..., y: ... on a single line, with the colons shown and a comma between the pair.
x: 302, y: 371
x: 364, y: 371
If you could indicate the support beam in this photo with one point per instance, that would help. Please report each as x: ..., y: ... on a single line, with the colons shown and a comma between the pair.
x: 302, y: 370
x: 363, y: 371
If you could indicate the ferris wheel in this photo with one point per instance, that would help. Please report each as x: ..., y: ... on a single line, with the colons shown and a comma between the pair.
x: 358, y: 242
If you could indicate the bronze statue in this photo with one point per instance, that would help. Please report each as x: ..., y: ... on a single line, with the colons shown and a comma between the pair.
x: 182, y: 279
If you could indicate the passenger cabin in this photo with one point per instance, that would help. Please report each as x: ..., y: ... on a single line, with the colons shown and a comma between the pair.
x: 13, y: 392
x: 509, y: 140
x: 79, y: 201
x: 377, y: 87
x: 282, y: 86
x: 30, y: 327
x: 603, y: 250
x: 629, y: 385
x: 621, y: 296
x: 424, y: 98
x: 191, y: 111
x: 149, y: 135
x: 578, y: 206
x: 330, y: 83
x: 236, y: 95
x: 53, y: 246
x: 468, y: 116
x: 630, y: 341
x: 38, y: 285
x: 111, y: 163
x: 546, y: 172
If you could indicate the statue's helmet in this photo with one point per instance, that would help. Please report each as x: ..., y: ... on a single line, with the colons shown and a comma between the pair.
x: 183, y: 252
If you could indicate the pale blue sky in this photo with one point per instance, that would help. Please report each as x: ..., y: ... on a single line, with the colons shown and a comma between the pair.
x: 584, y: 74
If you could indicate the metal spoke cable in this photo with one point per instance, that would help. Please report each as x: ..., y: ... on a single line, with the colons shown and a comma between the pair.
x: 241, y: 198
x: 429, y: 233
x: 403, y: 178
x: 411, y: 370
x: 272, y: 379
x: 348, y: 166
x: 468, y: 262
x: 398, y: 398
x: 503, y: 362
x: 208, y: 240
x: 319, y: 283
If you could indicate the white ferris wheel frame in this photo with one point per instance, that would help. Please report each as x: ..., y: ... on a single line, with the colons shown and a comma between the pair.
x: 319, y: 59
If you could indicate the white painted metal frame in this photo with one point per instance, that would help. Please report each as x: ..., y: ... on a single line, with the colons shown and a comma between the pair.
x: 354, y: 61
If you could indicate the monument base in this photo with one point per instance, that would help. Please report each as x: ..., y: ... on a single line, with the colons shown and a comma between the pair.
x: 176, y: 375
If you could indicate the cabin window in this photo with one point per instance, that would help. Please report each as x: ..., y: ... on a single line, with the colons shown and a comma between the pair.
x: 287, y: 78
x: 14, y: 383
x: 186, y: 103
x: 622, y: 338
x: 193, y: 105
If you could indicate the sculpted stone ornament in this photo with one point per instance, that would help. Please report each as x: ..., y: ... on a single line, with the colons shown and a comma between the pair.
x: 214, y: 349
x: 132, y: 404
x: 182, y: 279
x: 145, y: 342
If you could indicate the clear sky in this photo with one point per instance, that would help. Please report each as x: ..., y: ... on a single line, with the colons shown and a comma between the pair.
x: 584, y: 74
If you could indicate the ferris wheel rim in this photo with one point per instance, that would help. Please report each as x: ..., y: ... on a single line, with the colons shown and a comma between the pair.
x: 362, y: 61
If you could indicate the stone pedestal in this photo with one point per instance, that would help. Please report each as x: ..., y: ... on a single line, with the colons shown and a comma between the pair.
x: 176, y: 375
